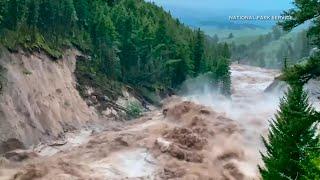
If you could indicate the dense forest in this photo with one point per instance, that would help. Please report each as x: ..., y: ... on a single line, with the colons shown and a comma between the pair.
x: 271, y: 49
x: 127, y: 42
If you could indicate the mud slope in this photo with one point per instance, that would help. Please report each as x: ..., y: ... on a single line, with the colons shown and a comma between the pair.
x: 39, y: 100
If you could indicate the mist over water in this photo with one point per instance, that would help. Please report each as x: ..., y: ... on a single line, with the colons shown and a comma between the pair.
x: 248, y: 98
x: 249, y: 105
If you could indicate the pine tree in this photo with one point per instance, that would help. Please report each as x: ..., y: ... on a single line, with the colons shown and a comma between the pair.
x: 3, y: 5
x: 285, y: 63
x: 46, y: 16
x: 82, y: 10
x: 33, y: 14
x: 162, y: 34
x: 226, y: 51
x: 230, y: 36
x: 133, y: 41
x: 198, y: 52
x: 290, y: 139
x: 11, y: 17
x: 222, y: 76
x: 302, y: 12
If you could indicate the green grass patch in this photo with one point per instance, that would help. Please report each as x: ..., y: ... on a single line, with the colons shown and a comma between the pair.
x: 32, y: 41
x: 134, y: 109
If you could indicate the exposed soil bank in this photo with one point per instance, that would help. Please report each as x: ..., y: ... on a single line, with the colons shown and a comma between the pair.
x: 39, y: 101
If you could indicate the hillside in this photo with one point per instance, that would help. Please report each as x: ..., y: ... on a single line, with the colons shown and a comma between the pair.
x: 126, y: 41
x: 270, y: 49
x: 119, y: 49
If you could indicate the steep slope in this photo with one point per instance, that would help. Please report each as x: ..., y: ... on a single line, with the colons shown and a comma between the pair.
x: 39, y: 100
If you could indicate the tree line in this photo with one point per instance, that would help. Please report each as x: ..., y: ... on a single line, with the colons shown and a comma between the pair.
x: 129, y: 41
x: 293, y: 147
x: 271, y: 49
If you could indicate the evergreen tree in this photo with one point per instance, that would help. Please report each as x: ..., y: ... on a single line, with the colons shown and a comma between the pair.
x: 226, y: 51
x: 285, y: 63
x: 46, y: 16
x: 230, y: 36
x: 302, y: 12
x: 198, y: 52
x: 222, y: 76
x: 82, y: 10
x: 290, y: 138
x: 162, y: 34
x: 132, y: 41
x: 33, y: 14
x: 68, y: 17
x: 12, y: 14
x: 3, y: 8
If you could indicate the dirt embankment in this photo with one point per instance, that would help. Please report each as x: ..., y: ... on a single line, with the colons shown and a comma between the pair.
x: 182, y: 141
x: 39, y: 99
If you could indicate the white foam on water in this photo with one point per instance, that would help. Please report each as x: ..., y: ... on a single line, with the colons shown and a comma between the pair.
x: 133, y: 163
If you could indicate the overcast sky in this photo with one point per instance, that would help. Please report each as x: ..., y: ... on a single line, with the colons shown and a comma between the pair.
x: 258, y: 5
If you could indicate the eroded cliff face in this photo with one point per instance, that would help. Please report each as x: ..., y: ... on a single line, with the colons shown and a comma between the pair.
x: 39, y: 100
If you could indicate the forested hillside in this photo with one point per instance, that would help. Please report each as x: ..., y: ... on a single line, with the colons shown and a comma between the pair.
x: 127, y: 42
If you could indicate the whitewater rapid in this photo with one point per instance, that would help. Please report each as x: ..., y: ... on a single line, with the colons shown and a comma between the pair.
x: 249, y: 104
x: 211, y: 137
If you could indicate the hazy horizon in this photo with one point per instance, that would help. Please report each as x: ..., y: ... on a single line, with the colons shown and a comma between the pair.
x: 216, y: 13
x: 252, y: 5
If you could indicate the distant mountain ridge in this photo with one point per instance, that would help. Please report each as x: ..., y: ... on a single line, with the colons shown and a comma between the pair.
x: 229, y: 25
x: 220, y: 18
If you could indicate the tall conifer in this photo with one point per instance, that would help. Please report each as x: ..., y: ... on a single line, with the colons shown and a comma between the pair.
x: 291, y: 139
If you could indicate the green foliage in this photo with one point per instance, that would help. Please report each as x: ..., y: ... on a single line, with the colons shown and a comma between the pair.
x: 302, y: 12
x: 199, y: 53
x: 134, y: 109
x: 302, y: 73
x: 222, y: 76
x: 88, y: 76
x: 270, y: 49
x: 2, y: 78
x: 293, y: 149
x: 291, y: 145
x: 131, y: 41
x: 285, y: 63
x: 230, y: 36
